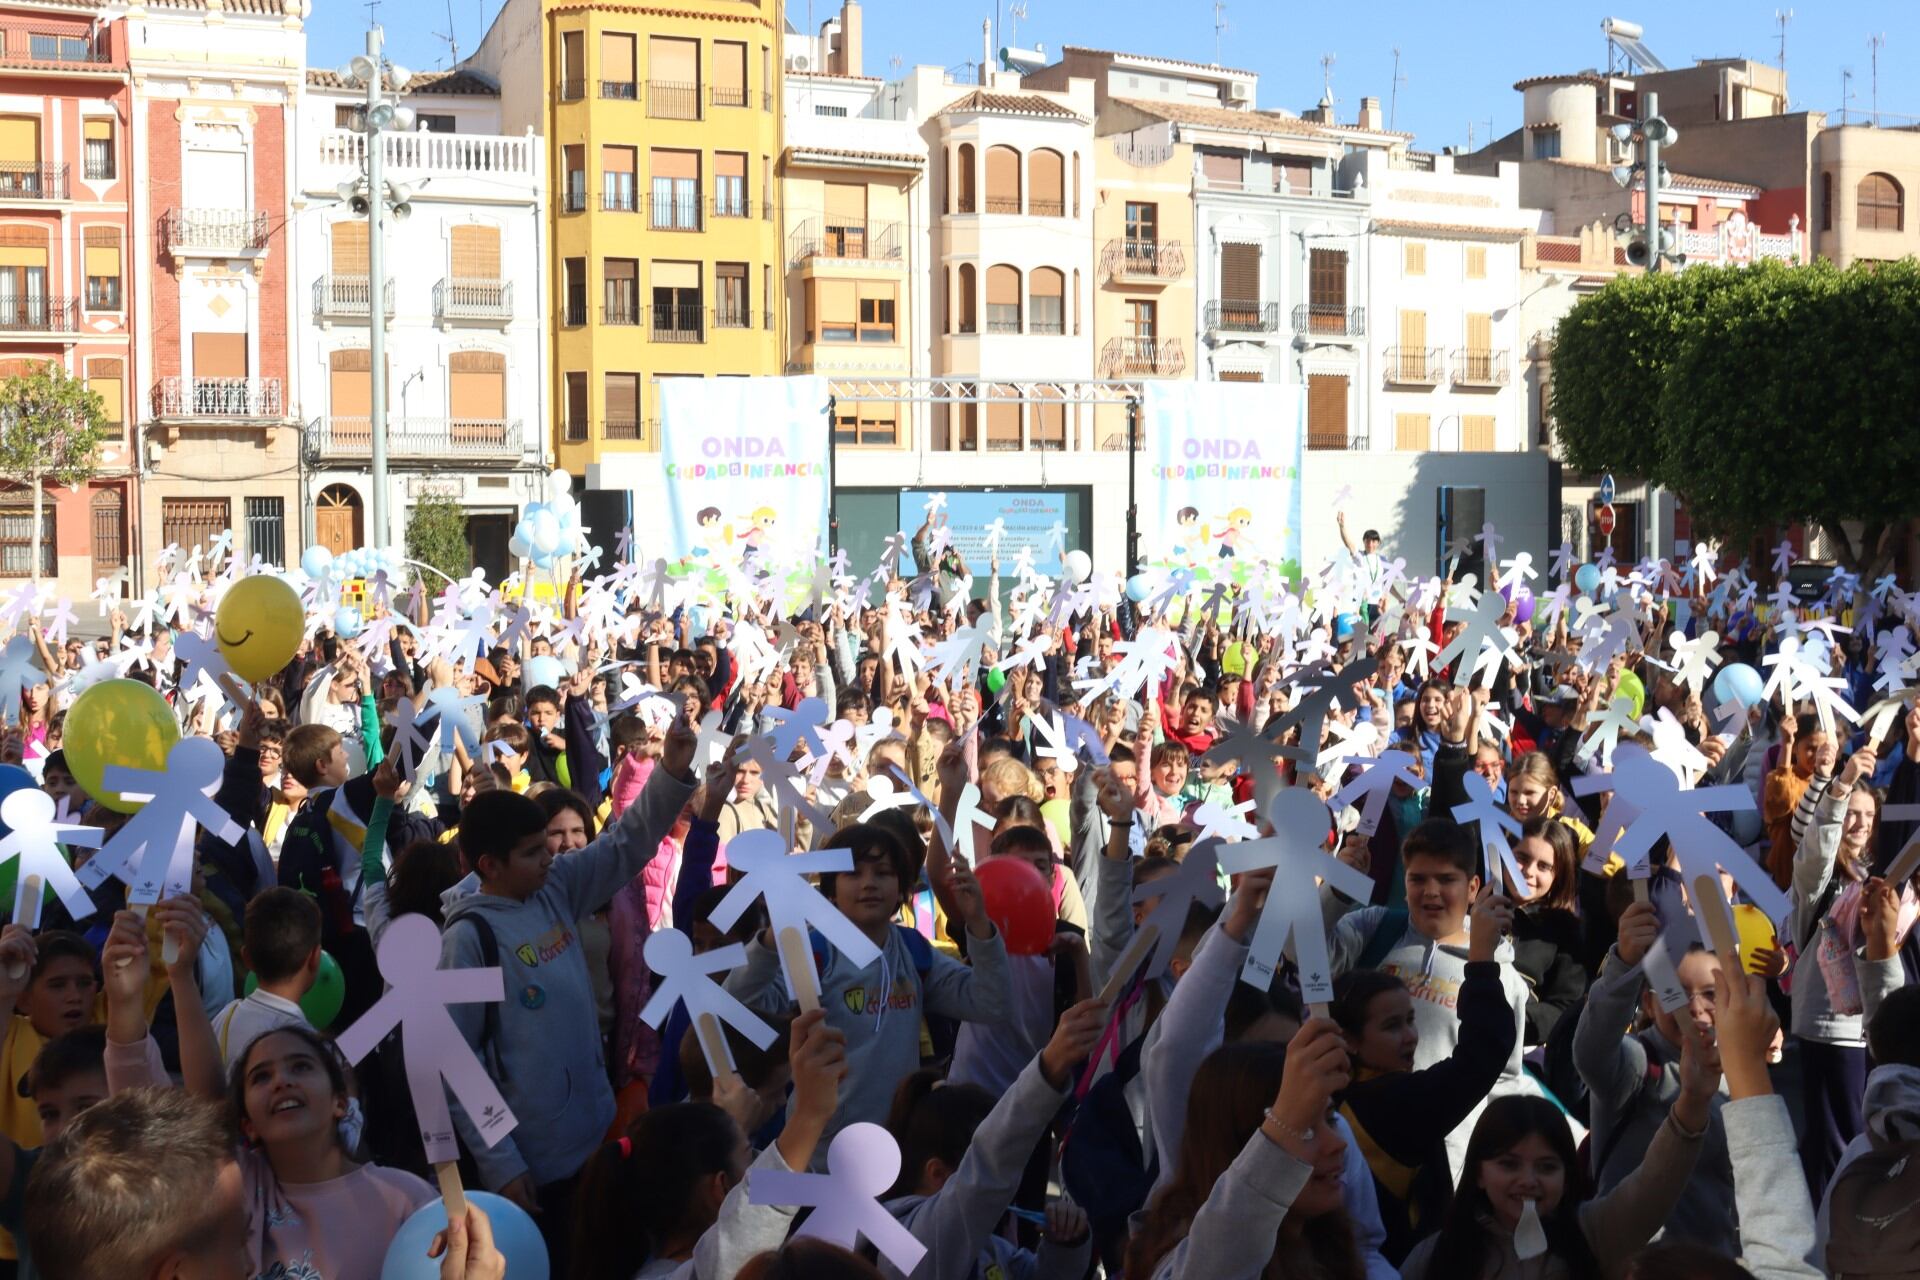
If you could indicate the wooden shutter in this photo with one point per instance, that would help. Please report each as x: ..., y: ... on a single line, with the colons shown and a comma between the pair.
x: 671, y: 61
x: 1414, y: 258
x: 1239, y: 276
x: 730, y: 69
x: 476, y: 253
x: 1476, y: 262
x: 1413, y: 331
x: 1327, y: 279
x: 107, y: 379
x: 1327, y: 410
x: 1003, y: 173
x: 1224, y: 169
x: 733, y: 164
x: 1480, y: 334
x: 1047, y: 182
x: 349, y: 248
x: 623, y: 397
x: 616, y: 57
x: 102, y: 251
x: 1411, y: 433
x: 846, y: 204
x: 350, y: 383
x: 219, y: 355
x: 674, y: 164
x: 1476, y: 433
x: 477, y: 385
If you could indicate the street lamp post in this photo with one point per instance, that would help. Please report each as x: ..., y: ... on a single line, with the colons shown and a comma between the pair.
x: 373, y: 196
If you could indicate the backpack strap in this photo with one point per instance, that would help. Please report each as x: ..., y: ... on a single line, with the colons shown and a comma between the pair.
x: 1390, y: 929
x: 490, y: 957
x: 919, y: 948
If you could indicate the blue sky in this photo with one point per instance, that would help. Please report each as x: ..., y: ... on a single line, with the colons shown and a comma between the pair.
x: 1458, y: 60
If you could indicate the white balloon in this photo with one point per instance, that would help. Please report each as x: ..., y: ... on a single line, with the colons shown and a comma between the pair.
x: 543, y: 531
x: 1078, y: 564
x: 559, y: 483
x: 564, y: 507
x: 518, y: 546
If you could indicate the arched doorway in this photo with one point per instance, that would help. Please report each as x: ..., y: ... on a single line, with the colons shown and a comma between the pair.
x: 336, y: 519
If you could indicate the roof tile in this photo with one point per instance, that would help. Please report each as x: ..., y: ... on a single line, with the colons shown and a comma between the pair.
x: 1017, y: 104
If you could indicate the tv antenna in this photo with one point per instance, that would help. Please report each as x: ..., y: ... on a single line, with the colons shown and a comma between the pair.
x: 1781, y: 17
x: 451, y: 38
x: 1220, y: 25
x: 1016, y: 13
x: 1326, y: 75
x: 1393, y: 92
x: 1873, y: 44
x: 1846, y: 93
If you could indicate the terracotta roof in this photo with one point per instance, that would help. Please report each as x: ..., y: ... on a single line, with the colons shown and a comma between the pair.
x: 1154, y: 57
x: 1449, y: 228
x: 840, y: 153
x: 829, y: 75
x: 1245, y: 121
x: 1708, y: 184
x: 456, y: 81
x: 1014, y: 104
x: 1557, y: 250
x: 661, y: 11
x: 268, y: 8
x: 1578, y: 77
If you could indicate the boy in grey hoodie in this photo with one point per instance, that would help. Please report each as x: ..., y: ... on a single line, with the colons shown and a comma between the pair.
x: 542, y: 1043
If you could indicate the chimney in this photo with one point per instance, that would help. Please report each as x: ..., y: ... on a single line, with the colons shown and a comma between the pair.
x: 1321, y: 114
x: 986, y: 52
x: 1369, y: 114
x: 846, y: 60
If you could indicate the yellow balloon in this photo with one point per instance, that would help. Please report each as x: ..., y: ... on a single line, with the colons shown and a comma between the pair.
x: 117, y: 722
x: 259, y: 626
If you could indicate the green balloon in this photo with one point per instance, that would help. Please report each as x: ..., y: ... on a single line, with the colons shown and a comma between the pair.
x: 321, y: 1004
x: 996, y: 681
x: 1630, y: 687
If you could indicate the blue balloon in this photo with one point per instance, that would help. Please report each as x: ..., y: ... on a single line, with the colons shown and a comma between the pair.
x: 1738, y: 682
x: 1587, y: 578
x: 12, y: 778
x: 514, y: 1235
x: 315, y: 560
x: 543, y: 669
x: 1139, y: 587
x: 1344, y: 626
x: 346, y: 622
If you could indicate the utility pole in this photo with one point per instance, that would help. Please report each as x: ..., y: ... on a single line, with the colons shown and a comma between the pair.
x: 1781, y: 18
x: 1873, y: 45
x: 1652, y: 245
x: 1393, y: 91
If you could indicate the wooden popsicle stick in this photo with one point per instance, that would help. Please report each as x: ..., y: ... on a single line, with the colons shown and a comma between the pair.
x: 1130, y: 960
x: 1640, y: 891
x: 1711, y: 905
x: 452, y: 1192
x: 1318, y: 1009
x: 799, y: 962
x: 139, y: 909
x: 714, y: 1043
x: 1904, y: 865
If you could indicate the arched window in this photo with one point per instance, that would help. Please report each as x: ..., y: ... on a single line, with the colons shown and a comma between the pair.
x: 1879, y: 204
x: 1046, y: 185
x: 1003, y: 299
x: 1826, y: 202
x: 968, y: 295
x: 946, y: 168
x: 1046, y: 301
x: 1076, y: 184
x: 963, y: 179
x: 1003, y: 180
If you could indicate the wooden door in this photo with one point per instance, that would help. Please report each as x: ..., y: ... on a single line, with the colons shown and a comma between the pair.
x: 336, y: 519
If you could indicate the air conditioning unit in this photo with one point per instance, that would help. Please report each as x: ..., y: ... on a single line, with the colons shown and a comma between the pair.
x: 1239, y: 91
x: 798, y: 62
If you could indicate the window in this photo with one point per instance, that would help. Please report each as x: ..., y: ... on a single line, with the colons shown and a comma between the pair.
x: 1879, y: 204
x: 767, y: 298
x: 108, y: 380
x: 616, y: 179
x: 1046, y: 301
x: 101, y: 251
x: 436, y: 123
x: 1476, y: 266
x: 477, y: 392
x: 1239, y: 286
x: 574, y: 161
x: 1327, y: 290
x: 967, y: 318
x: 1479, y: 353
x: 1546, y: 144
x: 676, y: 302
x: 17, y: 541
x: 673, y: 78
x: 1003, y: 299
x: 1327, y: 411
x: 867, y: 424
x: 1410, y: 358
x: 1476, y: 433
x: 1293, y: 175
x: 573, y: 65
x: 47, y: 46
x: 1413, y: 258
x: 23, y: 278
x: 846, y: 220
x: 576, y: 286
x: 1003, y: 180
x: 620, y: 291
x: 833, y: 112
x: 963, y: 179
x: 1143, y: 318
x: 876, y: 312
x: 1826, y: 202
x: 836, y: 311
x: 729, y: 73
x: 350, y: 396
x: 1143, y: 229
x: 729, y: 184
x: 1046, y: 184
x: 576, y: 425
x: 218, y: 358
x: 676, y: 190
x: 267, y: 529
x: 620, y: 419
x: 1222, y: 170
x: 98, y: 165
x: 731, y: 308
x: 346, y: 116
x: 1460, y: 514
x: 193, y: 522
x: 473, y: 253
x: 109, y: 511
x: 1411, y: 432
x: 617, y: 78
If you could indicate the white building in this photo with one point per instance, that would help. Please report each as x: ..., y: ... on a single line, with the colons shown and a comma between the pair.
x: 464, y: 296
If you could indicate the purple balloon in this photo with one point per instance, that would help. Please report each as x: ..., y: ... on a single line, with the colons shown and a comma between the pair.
x: 1522, y: 605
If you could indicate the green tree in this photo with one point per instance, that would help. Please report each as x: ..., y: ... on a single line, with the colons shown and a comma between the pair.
x: 437, y: 535
x: 51, y: 426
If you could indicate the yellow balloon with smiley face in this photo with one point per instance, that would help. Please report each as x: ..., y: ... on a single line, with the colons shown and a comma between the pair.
x: 258, y: 626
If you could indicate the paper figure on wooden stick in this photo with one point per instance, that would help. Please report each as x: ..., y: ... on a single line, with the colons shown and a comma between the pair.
x: 1296, y: 852
x: 1374, y: 784
x: 35, y: 833
x: 1496, y: 851
x: 777, y: 878
x: 863, y: 1162
x: 153, y: 851
x: 1195, y: 882
x: 681, y: 977
x: 418, y: 993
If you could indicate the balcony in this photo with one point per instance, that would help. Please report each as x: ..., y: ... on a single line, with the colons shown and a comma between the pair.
x: 1480, y: 369
x: 620, y: 90
x: 572, y: 90
x: 1416, y: 366
x: 725, y: 96
x: 574, y: 199
x: 1242, y: 317
x: 1003, y: 204
x: 735, y: 316
x: 1329, y: 320
x: 730, y: 204
x: 456, y: 298
x: 1143, y: 357
x: 466, y: 440
x: 667, y: 100
x: 72, y: 48
x: 29, y: 182
x: 1351, y: 441
x: 623, y: 429
x: 848, y: 241
x: 222, y: 398
x: 1143, y: 261
x: 622, y: 311
x: 212, y: 233
x: 440, y: 155
x: 619, y: 200
x: 348, y: 297
x: 678, y: 322
x: 36, y: 315
x: 678, y: 213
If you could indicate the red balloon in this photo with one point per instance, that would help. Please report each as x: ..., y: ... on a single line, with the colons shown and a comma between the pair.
x: 1019, y: 902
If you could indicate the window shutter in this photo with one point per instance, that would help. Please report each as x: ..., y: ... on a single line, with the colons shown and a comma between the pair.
x: 1222, y: 168
x: 616, y: 159
x: 730, y: 164
x: 477, y: 385
x: 1414, y: 258
x: 98, y: 130
x: 1413, y: 331
x: 1476, y: 262
x: 349, y: 248
x: 616, y: 57
x: 476, y: 253
x: 219, y: 355
x: 1048, y: 178
x: 19, y: 140
x: 846, y: 204
x: 1240, y: 274
x: 730, y: 66
x: 671, y: 61
x: 1003, y: 287
x: 350, y: 383
x: 1476, y: 433
x: 1327, y: 278
x: 102, y: 251
x: 1480, y: 333
x: 623, y: 397
x: 1411, y: 433
x: 675, y: 164
x: 1327, y: 410
x: 1003, y: 173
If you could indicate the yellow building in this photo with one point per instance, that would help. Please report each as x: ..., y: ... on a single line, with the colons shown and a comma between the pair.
x: 665, y: 252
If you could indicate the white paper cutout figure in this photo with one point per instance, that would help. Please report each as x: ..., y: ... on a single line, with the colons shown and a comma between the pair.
x: 1300, y: 823
x: 34, y: 837
x: 153, y: 852
x: 1196, y: 881
x: 1693, y: 660
x: 1604, y: 727
x: 882, y: 797
x: 416, y: 1001
x: 776, y: 877
x: 1496, y: 853
x: 1224, y: 822
x: 1310, y: 713
x: 685, y: 978
x: 863, y: 1162
x: 800, y: 725
x: 1375, y: 783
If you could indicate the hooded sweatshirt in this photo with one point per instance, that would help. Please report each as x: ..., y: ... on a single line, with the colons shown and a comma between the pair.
x: 880, y: 1008
x: 543, y: 1049
x: 1892, y: 1109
